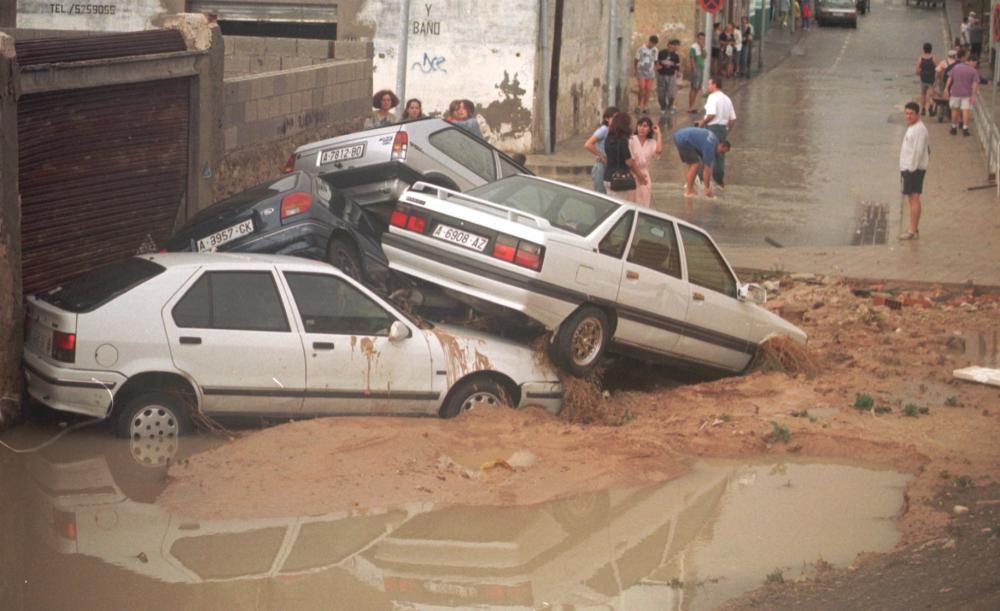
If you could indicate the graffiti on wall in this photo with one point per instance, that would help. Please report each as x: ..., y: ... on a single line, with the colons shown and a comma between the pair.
x: 427, y: 26
x: 510, y: 110
x: 430, y: 64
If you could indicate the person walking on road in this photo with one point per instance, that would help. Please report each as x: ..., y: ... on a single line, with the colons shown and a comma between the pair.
x: 914, y: 155
x: 926, y: 70
x: 746, y: 53
x: 595, y: 144
x: 619, y: 156
x: 963, y: 83
x: 667, y: 62
x: 644, y: 146
x: 695, y: 69
x: 698, y: 147
x: 719, y: 119
x: 645, y: 72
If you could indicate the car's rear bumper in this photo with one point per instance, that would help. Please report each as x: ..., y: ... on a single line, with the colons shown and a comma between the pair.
x: 438, y: 265
x: 547, y: 395
x: 78, y: 391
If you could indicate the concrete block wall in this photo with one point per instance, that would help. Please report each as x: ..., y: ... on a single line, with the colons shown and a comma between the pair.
x: 267, y: 115
x: 254, y: 55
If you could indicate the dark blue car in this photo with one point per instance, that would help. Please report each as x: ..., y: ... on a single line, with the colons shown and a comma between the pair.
x: 298, y: 214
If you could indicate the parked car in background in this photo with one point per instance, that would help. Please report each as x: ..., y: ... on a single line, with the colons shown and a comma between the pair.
x: 837, y: 11
x: 377, y: 165
x: 154, y: 340
x: 597, y: 272
x: 298, y: 214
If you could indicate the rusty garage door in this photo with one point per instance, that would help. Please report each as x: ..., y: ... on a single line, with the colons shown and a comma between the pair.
x: 102, y: 174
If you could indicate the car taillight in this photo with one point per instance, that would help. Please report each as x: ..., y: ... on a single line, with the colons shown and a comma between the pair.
x: 64, y: 524
x: 523, y: 253
x: 529, y: 255
x: 289, y: 165
x: 295, y: 203
x: 399, y: 145
x: 404, y: 219
x: 64, y: 346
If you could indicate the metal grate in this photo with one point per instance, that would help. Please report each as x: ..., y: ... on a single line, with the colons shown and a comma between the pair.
x: 103, y: 46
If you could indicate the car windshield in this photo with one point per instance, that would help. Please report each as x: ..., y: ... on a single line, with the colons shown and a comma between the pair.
x: 93, y: 289
x: 575, y: 211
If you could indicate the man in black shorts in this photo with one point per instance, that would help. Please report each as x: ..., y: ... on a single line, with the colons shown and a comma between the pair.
x: 697, y: 146
x: 913, y: 158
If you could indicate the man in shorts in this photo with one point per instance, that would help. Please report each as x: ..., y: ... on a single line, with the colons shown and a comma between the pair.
x: 963, y: 83
x: 695, y: 69
x: 913, y: 157
x: 698, y: 147
x: 645, y: 71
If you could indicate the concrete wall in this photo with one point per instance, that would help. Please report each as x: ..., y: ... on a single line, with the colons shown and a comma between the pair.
x: 483, y: 51
x: 253, y: 55
x: 267, y: 115
x: 101, y: 15
x: 11, y: 318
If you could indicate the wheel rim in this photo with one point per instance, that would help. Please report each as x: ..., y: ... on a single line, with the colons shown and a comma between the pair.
x: 587, y: 341
x: 345, y: 262
x: 481, y: 399
x: 153, y: 435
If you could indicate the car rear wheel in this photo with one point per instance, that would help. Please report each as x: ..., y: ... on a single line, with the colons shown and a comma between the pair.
x: 342, y: 255
x: 581, y: 340
x: 153, y: 421
x: 475, y: 393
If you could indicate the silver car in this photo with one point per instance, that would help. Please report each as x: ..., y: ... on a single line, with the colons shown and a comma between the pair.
x: 380, y: 163
x: 597, y: 272
x: 155, y: 340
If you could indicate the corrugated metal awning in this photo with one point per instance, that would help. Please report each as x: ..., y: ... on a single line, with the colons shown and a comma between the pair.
x: 249, y: 10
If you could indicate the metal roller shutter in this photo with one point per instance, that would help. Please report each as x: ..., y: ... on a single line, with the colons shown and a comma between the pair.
x: 102, y: 171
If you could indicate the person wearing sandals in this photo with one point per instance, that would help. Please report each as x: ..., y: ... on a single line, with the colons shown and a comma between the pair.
x: 913, y: 158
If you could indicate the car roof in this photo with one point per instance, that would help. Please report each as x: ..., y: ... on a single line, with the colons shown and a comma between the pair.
x: 235, y: 260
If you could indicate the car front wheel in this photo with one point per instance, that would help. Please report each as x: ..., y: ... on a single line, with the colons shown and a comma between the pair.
x: 581, y: 340
x: 475, y: 393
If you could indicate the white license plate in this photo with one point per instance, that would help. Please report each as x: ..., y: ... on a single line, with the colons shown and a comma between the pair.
x: 462, y: 238
x: 217, y: 239
x: 344, y: 153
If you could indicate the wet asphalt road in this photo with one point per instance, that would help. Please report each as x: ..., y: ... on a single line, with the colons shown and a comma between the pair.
x: 816, y: 138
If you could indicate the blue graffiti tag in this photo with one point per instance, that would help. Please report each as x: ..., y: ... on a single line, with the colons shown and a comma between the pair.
x: 429, y: 64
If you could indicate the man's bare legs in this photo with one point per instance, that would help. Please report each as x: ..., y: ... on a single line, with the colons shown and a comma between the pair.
x: 914, y: 212
x: 689, y: 173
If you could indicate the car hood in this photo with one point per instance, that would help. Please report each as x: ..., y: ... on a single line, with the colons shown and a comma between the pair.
x: 467, y: 351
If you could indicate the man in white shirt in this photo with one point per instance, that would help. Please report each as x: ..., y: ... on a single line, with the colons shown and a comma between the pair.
x: 913, y: 158
x: 719, y: 119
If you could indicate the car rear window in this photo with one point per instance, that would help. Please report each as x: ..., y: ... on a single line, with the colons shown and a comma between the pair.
x: 570, y: 209
x: 91, y: 290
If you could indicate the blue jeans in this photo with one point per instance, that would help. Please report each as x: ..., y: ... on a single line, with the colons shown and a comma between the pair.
x: 597, y: 176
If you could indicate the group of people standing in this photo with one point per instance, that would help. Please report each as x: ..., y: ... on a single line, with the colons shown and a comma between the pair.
x: 461, y: 113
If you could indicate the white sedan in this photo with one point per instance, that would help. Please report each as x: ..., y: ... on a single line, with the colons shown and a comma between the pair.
x: 154, y: 340
x: 595, y: 271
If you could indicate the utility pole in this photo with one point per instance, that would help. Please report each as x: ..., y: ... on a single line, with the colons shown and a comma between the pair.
x: 11, y: 318
x: 404, y: 45
x: 612, y: 57
x: 707, y: 52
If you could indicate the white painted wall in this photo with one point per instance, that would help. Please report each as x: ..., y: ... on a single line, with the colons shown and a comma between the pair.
x: 464, y: 49
x: 95, y: 15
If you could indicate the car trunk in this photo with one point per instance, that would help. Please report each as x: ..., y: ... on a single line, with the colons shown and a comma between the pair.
x: 50, y: 332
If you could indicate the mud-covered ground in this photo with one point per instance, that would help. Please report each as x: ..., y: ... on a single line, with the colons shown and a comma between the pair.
x: 881, y: 394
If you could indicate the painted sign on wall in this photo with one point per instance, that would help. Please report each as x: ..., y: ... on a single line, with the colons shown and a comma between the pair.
x: 94, y: 15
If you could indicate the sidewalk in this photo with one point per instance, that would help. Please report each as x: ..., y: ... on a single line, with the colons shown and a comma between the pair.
x: 959, y: 230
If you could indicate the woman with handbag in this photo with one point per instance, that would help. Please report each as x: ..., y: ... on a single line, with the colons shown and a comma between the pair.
x: 645, y: 146
x: 618, y: 178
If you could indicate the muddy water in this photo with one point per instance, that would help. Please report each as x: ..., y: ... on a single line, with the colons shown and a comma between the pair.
x: 86, y: 534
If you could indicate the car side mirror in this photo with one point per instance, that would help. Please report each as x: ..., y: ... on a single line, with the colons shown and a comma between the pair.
x: 752, y: 292
x: 398, y: 332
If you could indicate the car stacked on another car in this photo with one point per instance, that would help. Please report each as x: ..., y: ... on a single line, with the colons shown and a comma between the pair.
x: 154, y: 340
x: 597, y: 272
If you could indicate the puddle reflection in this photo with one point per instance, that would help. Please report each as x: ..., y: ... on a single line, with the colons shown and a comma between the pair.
x: 689, y: 544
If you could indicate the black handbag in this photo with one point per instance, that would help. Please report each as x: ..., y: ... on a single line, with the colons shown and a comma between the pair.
x: 621, y: 178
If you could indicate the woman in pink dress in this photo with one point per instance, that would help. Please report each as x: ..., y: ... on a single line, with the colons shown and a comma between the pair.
x: 645, y: 146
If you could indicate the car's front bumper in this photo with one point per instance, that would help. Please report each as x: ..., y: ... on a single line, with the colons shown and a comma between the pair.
x: 78, y: 391
x: 547, y: 395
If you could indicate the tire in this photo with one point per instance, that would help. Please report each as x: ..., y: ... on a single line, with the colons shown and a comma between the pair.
x: 155, y: 417
x: 342, y: 254
x: 581, y: 340
x: 584, y: 512
x: 475, y: 392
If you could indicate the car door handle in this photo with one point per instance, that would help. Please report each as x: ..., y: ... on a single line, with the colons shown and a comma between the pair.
x: 190, y: 340
x: 697, y: 296
x: 632, y: 275
x: 322, y: 345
